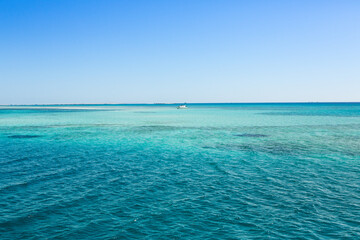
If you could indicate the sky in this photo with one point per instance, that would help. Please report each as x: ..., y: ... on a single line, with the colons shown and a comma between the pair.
x: 134, y: 51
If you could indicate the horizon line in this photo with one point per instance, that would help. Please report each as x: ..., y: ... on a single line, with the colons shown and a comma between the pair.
x: 166, y: 103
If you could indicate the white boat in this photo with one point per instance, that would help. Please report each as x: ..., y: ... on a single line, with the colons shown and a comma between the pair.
x: 182, y: 106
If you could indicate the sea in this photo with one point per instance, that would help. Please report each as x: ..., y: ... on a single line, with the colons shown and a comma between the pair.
x: 151, y: 171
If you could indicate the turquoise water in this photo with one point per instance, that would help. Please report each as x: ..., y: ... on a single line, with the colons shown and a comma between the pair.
x: 213, y: 171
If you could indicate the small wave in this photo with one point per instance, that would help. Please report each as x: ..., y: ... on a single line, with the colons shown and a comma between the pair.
x: 24, y: 136
x: 251, y: 135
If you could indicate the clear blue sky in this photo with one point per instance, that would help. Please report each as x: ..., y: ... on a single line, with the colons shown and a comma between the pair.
x: 83, y: 51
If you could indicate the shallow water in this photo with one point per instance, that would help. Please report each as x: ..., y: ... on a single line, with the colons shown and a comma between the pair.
x: 213, y: 171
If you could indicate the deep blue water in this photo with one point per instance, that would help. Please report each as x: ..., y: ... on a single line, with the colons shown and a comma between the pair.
x: 213, y: 171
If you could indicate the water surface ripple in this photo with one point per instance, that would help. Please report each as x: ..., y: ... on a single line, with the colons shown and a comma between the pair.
x: 213, y: 171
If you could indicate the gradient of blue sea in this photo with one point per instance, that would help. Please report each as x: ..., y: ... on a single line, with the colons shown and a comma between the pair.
x: 212, y: 171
